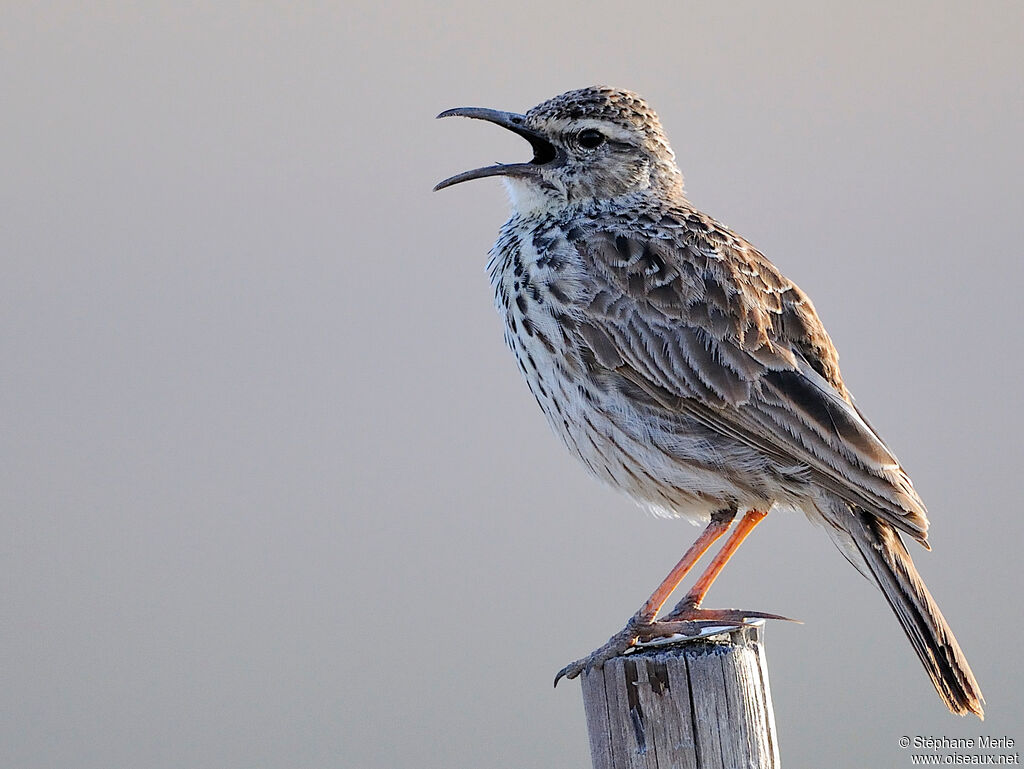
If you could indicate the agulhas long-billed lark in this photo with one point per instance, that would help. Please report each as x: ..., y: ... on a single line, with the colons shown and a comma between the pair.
x: 680, y: 366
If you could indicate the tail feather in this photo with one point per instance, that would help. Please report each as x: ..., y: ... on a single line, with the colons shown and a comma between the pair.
x: 890, y: 566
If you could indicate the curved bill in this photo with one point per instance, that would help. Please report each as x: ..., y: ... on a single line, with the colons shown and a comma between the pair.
x: 544, y: 152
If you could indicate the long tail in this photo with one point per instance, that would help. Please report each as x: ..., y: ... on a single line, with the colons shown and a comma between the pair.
x: 890, y: 565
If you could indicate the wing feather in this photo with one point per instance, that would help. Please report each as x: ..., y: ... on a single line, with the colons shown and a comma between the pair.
x: 707, y: 327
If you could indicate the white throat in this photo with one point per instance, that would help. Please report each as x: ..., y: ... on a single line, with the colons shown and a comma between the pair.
x: 526, y: 197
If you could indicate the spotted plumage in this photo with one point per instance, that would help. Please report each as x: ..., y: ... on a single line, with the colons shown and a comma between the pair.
x: 682, y: 368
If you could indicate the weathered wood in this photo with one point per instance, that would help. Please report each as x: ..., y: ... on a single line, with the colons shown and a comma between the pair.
x: 699, y: 704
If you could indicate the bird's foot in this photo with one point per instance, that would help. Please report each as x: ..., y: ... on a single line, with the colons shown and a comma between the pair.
x: 694, y: 620
x: 638, y: 630
x: 685, y: 621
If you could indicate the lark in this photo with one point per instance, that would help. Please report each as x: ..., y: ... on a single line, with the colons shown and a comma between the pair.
x: 681, y: 367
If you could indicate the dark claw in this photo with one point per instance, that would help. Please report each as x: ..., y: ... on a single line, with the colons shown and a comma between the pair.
x: 689, y: 623
x: 711, y: 617
x: 566, y: 671
x: 618, y: 644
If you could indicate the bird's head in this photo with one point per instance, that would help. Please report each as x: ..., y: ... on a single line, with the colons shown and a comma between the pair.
x: 593, y: 144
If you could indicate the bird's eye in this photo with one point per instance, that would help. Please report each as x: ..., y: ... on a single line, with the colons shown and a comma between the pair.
x: 590, y: 138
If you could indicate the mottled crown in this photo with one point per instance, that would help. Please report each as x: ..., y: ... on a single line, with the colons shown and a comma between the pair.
x: 621, y: 108
x: 602, y: 102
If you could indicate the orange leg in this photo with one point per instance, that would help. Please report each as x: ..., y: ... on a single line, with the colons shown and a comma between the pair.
x: 720, y: 523
x: 642, y: 624
x: 687, y: 618
x: 692, y: 600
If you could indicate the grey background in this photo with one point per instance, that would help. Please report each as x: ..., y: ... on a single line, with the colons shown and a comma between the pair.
x: 272, y: 491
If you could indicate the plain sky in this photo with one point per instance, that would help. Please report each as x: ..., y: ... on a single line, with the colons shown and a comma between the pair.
x: 272, y: 491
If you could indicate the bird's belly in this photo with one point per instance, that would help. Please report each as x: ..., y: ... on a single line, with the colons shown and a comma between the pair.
x: 673, y: 468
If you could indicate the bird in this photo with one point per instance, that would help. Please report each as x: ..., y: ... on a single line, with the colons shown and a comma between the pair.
x: 681, y: 367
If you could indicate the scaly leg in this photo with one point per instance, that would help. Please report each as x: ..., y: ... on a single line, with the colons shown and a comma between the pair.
x: 688, y: 610
x: 642, y: 625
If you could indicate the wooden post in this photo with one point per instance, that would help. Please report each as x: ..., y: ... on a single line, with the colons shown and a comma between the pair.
x: 699, y: 704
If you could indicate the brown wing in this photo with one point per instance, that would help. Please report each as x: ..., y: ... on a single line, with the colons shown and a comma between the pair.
x: 706, y: 326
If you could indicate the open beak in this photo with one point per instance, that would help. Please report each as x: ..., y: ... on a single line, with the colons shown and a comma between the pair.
x: 544, y: 152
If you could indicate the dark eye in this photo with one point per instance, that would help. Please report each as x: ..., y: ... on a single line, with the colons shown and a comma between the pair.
x: 590, y: 138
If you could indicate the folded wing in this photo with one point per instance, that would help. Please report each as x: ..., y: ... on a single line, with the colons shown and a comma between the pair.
x: 706, y: 326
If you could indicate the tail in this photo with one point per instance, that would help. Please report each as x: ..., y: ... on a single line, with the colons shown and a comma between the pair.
x: 890, y: 566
